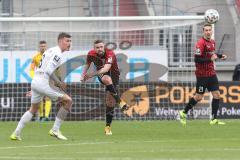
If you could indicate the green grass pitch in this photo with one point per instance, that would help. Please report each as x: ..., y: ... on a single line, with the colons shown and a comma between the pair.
x: 138, y: 140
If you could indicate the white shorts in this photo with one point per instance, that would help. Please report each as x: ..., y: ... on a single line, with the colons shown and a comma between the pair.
x: 40, y: 87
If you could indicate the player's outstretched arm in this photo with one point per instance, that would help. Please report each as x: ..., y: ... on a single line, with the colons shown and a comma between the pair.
x: 84, y: 72
x: 222, y: 56
x: 214, y: 57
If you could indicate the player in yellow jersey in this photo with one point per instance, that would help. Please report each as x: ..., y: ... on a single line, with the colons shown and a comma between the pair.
x: 35, y: 63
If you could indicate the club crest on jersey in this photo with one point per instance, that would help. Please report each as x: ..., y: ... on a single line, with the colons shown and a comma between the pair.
x: 109, y: 60
x: 198, y: 51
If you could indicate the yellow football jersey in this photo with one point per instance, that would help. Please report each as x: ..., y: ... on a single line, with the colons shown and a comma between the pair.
x: 35, y: 63
x: 37, y: 58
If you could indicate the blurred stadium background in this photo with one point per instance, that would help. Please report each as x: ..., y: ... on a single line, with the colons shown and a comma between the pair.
x: 160, y: 52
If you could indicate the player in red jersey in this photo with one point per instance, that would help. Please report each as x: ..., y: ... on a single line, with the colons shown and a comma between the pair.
x: 108, y: 74
x: 204, y: 57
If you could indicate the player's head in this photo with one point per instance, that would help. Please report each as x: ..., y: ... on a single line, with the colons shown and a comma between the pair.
x: 99, y: 47
x: 207, y: 31
x: 64, y: 41
x: 42, y: 46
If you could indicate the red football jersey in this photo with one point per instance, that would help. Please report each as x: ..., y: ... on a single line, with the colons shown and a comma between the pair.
x: 108, y: 58
x: 205, y: 49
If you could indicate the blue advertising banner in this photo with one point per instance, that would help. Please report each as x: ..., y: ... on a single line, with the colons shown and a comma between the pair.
x: 135, y: 65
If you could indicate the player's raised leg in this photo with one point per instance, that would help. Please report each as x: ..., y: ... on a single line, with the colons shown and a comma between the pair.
x: 107, y: 69
x: 110, y: 87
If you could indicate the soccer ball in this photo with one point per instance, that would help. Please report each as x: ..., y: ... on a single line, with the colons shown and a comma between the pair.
x: 211, y: 16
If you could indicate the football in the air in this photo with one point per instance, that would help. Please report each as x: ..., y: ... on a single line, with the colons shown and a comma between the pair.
x: 211, y: 16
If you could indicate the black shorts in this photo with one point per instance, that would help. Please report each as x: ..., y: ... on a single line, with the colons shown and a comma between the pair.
x: 115, y: 79
x: 209, y: 83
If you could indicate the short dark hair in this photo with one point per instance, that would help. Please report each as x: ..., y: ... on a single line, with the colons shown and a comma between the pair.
x: 98, y: 41
x: 42, y: 42
x: 63, y: 35
x: 207, y: 24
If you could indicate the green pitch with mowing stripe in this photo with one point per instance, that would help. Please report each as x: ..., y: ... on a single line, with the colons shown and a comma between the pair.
x: 138, y: 140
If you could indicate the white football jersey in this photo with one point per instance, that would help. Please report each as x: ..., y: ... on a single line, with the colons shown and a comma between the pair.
x: 51, y: 60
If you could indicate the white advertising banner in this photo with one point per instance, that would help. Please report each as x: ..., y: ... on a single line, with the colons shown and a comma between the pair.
x: 134, y: 65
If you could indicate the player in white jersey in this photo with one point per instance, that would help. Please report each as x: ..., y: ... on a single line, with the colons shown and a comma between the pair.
x: 40, y: 87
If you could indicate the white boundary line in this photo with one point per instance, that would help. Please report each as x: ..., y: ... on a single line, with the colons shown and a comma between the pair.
x: 107, y: 158
x: 55, y: 145
x: 97, y: 143
x: 33, y: 158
